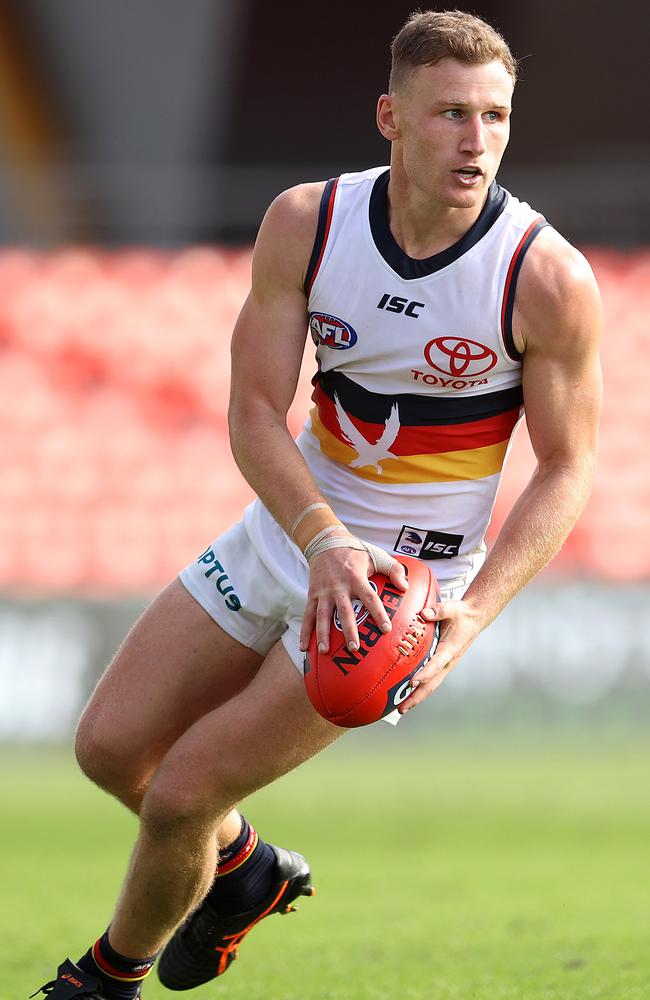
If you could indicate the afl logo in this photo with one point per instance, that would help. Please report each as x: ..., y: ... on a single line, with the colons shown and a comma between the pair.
x: 329, y: 331
x: 360, y: 610
x: 458, y: 356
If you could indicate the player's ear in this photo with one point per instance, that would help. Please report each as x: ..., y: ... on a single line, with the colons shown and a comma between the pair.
x: 386, y: 122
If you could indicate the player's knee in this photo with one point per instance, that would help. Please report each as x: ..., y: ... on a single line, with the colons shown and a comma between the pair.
x: 173, y: 804
x: 104, y: 758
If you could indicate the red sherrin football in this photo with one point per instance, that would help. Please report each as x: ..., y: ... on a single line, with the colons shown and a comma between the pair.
x: 355, y: 689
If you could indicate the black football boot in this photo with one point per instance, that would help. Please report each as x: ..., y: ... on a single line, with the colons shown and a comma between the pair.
x: 72, y: 984
x: 207, y: 942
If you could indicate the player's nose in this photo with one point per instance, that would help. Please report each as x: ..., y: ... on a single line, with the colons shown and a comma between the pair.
x: 473, y: 138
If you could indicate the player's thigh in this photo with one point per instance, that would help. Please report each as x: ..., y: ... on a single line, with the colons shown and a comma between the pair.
x: 175, y: 665
x: 265, y: 731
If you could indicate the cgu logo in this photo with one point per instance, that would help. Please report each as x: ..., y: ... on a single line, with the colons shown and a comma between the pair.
x: 403, y: 689
x: 402, y: 693
x: 330, y: 331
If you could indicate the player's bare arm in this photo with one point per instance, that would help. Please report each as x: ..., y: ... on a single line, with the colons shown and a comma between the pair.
x: 267, y: 349
x: 557, y: 326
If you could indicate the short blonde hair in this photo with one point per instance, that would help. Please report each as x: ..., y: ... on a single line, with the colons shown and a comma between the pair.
x: 429, y: 36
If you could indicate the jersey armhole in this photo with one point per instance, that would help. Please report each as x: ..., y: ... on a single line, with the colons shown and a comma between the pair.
x: 510, y: 287
x: 322, y: 232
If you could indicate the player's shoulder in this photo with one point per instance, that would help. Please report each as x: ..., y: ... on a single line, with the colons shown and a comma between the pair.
x: 554, y: 267
x: 556, y: 291
x: 294, y: 212
x: 298, y: 208
x: 288, y: 232
x: 286, y: 236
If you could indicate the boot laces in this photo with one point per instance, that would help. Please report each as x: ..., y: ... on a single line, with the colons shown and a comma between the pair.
x: 46, y: 989
x: 229, y: 952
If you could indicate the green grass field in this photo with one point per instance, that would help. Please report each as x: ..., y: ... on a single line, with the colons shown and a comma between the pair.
x: 457, y: 868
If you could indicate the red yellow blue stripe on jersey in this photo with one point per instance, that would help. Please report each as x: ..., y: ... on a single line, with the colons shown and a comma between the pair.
x: 409, y: 438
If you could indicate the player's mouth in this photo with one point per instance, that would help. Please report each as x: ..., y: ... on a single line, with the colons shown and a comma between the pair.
x: 469, y: 176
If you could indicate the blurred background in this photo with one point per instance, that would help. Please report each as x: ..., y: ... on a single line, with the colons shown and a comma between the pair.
x: 139, y: 146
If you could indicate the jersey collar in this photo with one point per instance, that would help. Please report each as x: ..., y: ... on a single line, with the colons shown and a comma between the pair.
x: 409, y: 267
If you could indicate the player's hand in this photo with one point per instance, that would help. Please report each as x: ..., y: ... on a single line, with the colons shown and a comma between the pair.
x: 336, y: 578
x: 459, y: 626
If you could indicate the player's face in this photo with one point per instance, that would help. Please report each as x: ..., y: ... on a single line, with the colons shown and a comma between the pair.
x: 452, y: 126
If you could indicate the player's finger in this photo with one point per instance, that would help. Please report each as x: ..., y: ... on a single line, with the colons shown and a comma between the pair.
x: 323, y: 622
x: 376, y: 609
x: 430, y: 677
x: 444, y: 654
x: 348, y: 620
x: 421, y: 692
x: 430, y: 686
x: 435, y: 612
x: 308, y: 623
x: 398, y: 575
x: 439, y: 610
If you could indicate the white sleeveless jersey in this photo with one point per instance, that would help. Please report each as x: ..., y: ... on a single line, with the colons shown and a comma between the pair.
x: 418, y: 387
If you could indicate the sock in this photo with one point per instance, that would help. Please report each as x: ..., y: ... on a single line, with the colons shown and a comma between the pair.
x: 245, y: 873
x: 121, y: 977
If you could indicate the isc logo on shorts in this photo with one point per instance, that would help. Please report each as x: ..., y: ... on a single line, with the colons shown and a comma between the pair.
x: 424, y: 544
x: 222, y: 581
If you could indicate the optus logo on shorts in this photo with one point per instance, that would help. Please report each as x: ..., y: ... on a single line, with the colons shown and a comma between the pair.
x: 330, y: 331
x: 221, y: 582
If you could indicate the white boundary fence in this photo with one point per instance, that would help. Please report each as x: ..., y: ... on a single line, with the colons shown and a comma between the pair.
x: 572, y: 644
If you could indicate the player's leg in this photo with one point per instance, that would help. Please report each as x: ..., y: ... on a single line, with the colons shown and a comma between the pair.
x: 175, y: 665
x: 263, y: 732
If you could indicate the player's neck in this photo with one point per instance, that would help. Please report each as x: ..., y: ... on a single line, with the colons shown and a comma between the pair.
x: 421, y: 225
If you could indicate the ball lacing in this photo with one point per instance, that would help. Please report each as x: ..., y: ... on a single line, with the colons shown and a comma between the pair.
x: 412, y: 637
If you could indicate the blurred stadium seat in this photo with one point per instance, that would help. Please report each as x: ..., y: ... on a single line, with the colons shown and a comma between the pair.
x: 114, y: 460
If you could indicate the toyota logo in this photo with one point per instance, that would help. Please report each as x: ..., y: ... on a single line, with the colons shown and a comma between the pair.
x: 458, y: 356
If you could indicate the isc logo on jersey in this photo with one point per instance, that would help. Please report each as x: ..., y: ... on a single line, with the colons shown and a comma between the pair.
x: 360, y: 610
x: 330, y: 331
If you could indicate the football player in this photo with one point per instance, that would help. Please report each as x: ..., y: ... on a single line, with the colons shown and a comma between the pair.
x: 439, y: 305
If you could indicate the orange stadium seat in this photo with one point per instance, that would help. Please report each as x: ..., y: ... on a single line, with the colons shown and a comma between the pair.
x: 115, y: 468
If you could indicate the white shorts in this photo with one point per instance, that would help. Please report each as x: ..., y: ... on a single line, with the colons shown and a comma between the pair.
x: 253, y: 582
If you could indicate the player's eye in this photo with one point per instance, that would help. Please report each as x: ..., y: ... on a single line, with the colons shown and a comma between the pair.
x: 453, y: 113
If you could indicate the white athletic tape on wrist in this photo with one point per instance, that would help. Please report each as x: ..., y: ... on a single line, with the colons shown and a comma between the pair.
x: 381, y: 560
x: 301, y: 517
x: 313, y: 547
